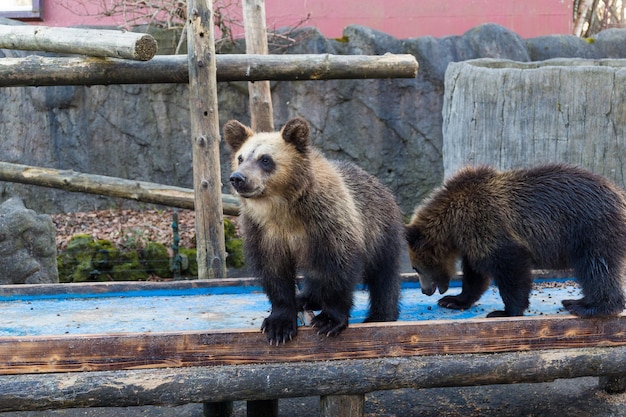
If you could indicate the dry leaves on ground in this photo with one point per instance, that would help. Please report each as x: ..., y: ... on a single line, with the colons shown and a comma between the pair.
x: 126, y: 228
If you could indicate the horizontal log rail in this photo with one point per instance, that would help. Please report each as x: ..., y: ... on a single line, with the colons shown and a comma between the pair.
x: 175, y: 386
x: 93, y: 42
x: 70, y: 180
x: 107, y: 352
x: 46, y: 71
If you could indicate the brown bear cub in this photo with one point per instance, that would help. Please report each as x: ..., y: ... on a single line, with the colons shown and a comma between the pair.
x: 501, y: 224
x: 330, y: 221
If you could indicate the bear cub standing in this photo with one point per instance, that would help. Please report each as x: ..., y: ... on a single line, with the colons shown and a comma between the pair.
x: 503, y: 224
x: 331, y: 221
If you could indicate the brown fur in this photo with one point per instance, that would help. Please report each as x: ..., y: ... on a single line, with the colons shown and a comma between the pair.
x: 331, y: 221
x: 502, y: 224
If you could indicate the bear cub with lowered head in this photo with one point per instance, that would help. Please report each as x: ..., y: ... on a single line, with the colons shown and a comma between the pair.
x: 501, y: 224
x: 330, y: 221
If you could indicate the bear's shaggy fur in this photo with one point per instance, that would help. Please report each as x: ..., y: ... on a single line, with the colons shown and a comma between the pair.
x: 330, y: 221
x: 503, y: 224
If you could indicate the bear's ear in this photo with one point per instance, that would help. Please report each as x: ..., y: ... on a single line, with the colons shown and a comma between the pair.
x: 235, y: 134
x: 296, y: 132
x: 414, y: 235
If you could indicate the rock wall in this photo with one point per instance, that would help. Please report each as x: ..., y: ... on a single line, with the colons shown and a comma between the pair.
x: 392, y: 128
x: 27, y: 245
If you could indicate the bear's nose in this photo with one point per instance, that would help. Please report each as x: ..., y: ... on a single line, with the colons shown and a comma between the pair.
x: 237, y: 179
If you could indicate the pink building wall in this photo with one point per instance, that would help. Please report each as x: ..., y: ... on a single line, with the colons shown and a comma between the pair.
x: 400, y: 18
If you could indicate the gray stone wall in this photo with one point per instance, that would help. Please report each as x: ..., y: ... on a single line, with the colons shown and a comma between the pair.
x: 392, y: 128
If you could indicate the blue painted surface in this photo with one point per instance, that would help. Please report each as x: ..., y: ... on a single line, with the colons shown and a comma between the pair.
x: 199, y: 309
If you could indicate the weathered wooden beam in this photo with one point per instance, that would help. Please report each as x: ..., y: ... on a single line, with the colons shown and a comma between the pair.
x: 205, y: 140
x: 176, y: 386
x: 147, y: 192
x: 47, y: 71
x: 92, y: 42
x: 103, y: 352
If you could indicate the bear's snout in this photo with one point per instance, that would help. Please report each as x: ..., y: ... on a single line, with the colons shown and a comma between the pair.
x: 238, y: 180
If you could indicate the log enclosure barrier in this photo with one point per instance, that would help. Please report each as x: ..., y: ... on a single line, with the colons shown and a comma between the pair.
x: 215, y: 368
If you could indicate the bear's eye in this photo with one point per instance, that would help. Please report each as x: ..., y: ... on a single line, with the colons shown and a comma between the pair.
x: 266, y: 162
x: 240, y: 159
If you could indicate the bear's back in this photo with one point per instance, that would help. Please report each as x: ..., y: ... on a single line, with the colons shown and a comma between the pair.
x: 550, y: 209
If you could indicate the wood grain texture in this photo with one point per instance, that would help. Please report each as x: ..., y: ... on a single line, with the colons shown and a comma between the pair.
x: 46, y: 71
x: 70, y: 180
x: 205, y: 140
x: 93, y: 42
x: 514, y: 114
x: 43, y: 354
x: 175, y: 386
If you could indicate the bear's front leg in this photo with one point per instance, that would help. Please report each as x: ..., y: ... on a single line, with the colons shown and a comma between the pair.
x: 474, y: 285
x: 282, y: 324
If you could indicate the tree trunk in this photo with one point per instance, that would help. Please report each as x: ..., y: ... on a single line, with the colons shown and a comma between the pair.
x: 512, y: 114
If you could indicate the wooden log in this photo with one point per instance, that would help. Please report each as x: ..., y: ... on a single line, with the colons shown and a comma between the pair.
x: 92, y: 42
x: 103, y: 352
x: 514, y: 114
x: 342, y: 405
x: 175, y: 386
x: 147, y: 192
x: 48, y: 71
x: 205, y: 140
x: 260, y: 96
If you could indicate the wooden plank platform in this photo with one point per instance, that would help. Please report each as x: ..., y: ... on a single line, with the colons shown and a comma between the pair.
x: 172, y: 367
x: 45, y: 354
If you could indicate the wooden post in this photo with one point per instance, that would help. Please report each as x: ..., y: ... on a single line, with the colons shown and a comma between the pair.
x: 205, y: 138
x: 261, y: 120
x: 342, y: 405
x: 260, y: 96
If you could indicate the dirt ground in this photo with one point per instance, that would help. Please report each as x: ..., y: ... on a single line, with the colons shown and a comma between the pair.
x: 562, y: 398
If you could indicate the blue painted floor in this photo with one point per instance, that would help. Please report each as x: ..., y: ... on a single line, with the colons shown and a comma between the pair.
x: 220, y: 308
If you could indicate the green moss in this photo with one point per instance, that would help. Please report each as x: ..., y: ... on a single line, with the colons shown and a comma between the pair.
x: 129, y: 268
x: 234, y: 246
x: 74, y: 264
x: 589, y: 40
x: 191, y: 254
x: 87, y: 260
x: 157, y: 259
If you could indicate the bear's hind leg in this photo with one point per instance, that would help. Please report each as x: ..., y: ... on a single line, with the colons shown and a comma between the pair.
x: 603, y: 294
x: 334, y: 297
x: 334, y: 316
x: 383, y: 283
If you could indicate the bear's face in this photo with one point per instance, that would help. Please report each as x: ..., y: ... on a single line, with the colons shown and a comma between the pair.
x: 268, y: 164
x: 433, y: 265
